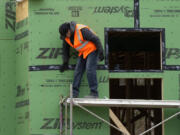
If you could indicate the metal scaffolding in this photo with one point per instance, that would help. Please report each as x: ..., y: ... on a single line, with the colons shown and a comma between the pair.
x: 131, y: 103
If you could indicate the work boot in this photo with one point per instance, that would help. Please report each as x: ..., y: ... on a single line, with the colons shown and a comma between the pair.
x: 91, y: 95
x: 75, y: 96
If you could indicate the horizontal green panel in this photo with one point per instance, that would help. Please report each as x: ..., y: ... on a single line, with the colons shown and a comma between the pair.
x: 59, y: 83
x: 45, y: 90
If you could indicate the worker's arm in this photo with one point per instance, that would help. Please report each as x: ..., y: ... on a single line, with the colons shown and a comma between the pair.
x: 90, y: 36
x: 65, y: 56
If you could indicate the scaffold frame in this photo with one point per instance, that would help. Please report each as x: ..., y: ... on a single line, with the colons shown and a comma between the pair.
x: 130, y: 103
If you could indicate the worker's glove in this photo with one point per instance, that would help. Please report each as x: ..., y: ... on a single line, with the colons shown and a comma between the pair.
x: 101, y: 56
x: 63, y: 67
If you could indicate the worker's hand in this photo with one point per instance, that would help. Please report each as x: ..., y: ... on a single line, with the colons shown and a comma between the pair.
x: 101, y: 56
x: 63, y: 67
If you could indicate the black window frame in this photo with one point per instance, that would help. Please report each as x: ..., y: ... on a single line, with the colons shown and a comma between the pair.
x: 162, y: 54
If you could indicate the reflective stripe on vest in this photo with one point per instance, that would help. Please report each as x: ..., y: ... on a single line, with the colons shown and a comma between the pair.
x: 78, y: 32
x: 83, y: 43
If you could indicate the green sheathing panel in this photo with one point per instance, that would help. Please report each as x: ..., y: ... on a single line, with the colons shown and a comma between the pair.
x: 7, y: 69
x: 7, y: 19
x: 171, y: 87
x: 164, y: 14
x: 7, y: 87
x: 45, y: 90
x: 45, y: 17
x: 22, y: 83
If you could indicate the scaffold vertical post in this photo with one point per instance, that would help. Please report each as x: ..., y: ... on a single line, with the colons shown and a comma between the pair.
x: 61, y: 116
x: 71, y: 111
x: 66, y: 121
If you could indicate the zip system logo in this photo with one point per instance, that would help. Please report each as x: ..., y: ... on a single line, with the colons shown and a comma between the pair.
x: 53, y: 123
x: 126, y: 10
x: 49, y: 53
x: 10, y: 15
x: 54, y: 53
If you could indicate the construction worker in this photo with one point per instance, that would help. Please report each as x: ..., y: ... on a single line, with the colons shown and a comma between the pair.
x: 86, y: 42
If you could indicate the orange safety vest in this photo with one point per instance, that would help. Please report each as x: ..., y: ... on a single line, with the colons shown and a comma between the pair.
x: 84, y: 47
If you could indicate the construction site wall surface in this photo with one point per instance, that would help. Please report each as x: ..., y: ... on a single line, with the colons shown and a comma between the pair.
x: 31, y: 54
x: 7, y: 67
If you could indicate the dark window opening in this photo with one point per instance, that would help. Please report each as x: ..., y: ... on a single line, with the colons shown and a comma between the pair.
x: 137, y: 120
x: 134, y: 50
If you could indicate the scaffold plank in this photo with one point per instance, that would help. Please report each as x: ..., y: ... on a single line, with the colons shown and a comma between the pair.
x: 132, y: 103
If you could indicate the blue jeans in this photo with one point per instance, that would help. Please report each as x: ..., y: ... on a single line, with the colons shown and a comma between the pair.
x: 89, y: 64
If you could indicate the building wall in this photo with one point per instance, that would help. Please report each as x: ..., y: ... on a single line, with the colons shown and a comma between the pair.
x: 7, y: 69
x: 35, y: 93
x: 45, y: 18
